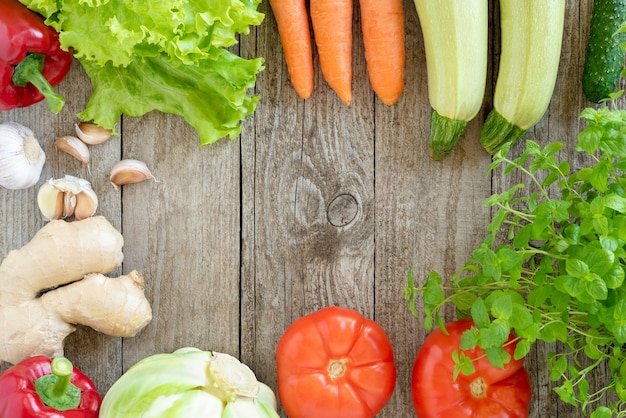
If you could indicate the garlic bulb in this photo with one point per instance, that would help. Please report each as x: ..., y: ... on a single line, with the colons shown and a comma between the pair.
x: 21, y: 156
x: 67, y: 196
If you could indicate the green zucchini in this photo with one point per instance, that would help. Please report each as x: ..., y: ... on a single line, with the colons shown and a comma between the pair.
x: 604, y: 59
x: 531, y: 37
x: 455, y: 40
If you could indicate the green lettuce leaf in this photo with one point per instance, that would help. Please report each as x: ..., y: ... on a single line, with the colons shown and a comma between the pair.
x: 171, y: 56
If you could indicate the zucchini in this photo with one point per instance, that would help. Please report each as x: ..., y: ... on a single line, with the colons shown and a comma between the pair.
x: 604, y: 58
x: 455, y: 40
x: 531, y: 37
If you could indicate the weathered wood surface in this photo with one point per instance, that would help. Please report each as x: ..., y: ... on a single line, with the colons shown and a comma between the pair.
x: 316, y: 204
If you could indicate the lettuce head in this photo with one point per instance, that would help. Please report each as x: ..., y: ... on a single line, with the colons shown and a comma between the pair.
x: 173, y: 56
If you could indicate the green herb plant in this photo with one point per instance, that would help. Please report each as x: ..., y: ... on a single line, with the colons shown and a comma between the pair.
x: 552, y: 267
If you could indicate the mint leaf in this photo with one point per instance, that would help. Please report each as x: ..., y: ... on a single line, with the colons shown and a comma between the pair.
x: 539, y: 295
x: 576, y: 268
x: 554, y: 331
x: 521, y: 349
x: 462, y: 364
x: 557, y: 366
x: 573, y: 286
x: 614, y: 278
x: 495, y: 335
x: 572, y: 234
x: 463, y: 301
x: 497, y: 356
x: 597, y: 288
x: 469, y: 339
x: 589, y: 139
x: 615, y: 202
x: 600, y: 261
x: 620, y: 333
x: 600, y: 176
x: 601, y: 412
x: 522, y: 238
x: 480, y: 315
x: 521, y: 317
x: 619, y: 223
x: 502, y: 307
x: 619, y: 321
x: 566, y: 393
x: 600, y: 225
x: 433, y: 293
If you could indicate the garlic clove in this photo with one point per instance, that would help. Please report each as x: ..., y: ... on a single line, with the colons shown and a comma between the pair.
x: 129, y: 171
x: 21, y: 157
x: 86, y: 204
x: 92, y: 134
x: 74, y: 147
x: 69, y: 204
x: 51, y: 201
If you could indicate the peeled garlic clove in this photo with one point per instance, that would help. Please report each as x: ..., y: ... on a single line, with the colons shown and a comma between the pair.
x: 51, y: 201
x: 129, y: 171
x: 92, y: 134
x: 74, y: 147
x: 86, y: 204
x: 21, y: 156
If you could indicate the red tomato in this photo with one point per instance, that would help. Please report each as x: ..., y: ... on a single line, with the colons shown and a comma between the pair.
x: 488, y: 392
x: 334, y: 363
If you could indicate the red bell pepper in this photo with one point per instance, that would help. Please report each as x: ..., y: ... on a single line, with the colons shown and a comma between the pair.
x: 42, y: 388
x: 31, y: 59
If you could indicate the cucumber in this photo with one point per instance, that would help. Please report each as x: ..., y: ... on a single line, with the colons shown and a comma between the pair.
x: 604, y: 59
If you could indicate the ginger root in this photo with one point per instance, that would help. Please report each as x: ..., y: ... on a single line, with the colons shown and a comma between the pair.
x: 57, y: 281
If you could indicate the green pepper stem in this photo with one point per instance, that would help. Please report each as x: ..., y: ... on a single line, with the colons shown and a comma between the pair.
x: 56, y: 390
x: 62, y: 369
x: 30, y: 71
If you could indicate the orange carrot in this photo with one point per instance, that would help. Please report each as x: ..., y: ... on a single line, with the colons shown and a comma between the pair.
x: 293, y: 27
x: 382, y: 23
x: 332, y: 26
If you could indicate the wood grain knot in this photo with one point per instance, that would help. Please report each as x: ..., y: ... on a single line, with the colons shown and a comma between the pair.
x: 342, y: 210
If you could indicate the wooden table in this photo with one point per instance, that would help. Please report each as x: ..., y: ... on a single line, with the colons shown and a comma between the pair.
x: 316, y: 204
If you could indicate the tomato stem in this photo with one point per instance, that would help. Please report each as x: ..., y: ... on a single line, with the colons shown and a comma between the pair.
x: 478, y: 388
x: 336, y: 368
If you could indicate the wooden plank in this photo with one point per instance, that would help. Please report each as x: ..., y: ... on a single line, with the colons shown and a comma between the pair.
x: 313, y: 203
x: 182, y: 233
x: 429, y: 214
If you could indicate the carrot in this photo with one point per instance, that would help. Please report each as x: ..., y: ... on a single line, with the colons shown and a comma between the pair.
x: 332, y: 26
x: 382, y: 23
x: 293, y: 27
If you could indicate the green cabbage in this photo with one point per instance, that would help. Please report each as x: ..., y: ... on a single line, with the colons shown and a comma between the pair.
x: 172, y: 56
x: 189, y: 383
